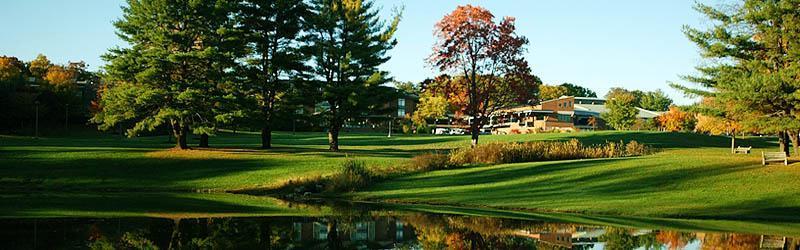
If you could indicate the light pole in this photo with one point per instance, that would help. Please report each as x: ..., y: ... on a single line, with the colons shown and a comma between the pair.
x: 36, y: 133
x: 390, y: 126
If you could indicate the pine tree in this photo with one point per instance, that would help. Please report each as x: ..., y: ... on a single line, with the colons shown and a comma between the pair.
x: 172, y: 71
x: 271, y: 29
x: 754, y: 71
x: 347, y: 41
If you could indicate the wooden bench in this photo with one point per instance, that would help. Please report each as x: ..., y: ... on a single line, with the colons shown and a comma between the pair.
x: 774, y: 157
x: 742, y: 150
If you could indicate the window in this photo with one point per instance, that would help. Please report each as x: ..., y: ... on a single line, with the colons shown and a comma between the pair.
x: 401, y: 107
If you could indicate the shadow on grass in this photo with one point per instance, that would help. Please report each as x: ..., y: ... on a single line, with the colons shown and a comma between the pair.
x: 171, y: 205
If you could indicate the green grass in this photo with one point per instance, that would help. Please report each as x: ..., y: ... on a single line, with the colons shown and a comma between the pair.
x: 694, y: 176
x: 102, y: 163
x: 689, y: 178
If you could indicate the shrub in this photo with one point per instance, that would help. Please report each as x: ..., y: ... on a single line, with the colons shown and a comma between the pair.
x: 497, y: 153
x: 352, y: 175
x: 429, y: 162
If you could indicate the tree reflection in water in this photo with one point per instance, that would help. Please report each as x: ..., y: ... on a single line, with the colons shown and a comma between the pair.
x: 358, y: 231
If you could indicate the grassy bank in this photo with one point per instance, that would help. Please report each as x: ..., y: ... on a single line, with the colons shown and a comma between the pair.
x: 693, y: 176
x: 104, y: 162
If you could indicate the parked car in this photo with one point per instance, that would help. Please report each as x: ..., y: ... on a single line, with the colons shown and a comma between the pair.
x: 457, y: 131
x: 441, y: 131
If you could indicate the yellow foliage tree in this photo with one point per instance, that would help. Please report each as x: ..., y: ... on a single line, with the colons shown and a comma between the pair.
x: 676, y: 120
x: 60, y: 77
x: 548, y: 92
x: 10, y: 68
x: 429, y: 107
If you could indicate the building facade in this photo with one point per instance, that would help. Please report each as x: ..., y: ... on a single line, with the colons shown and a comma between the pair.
x: 567, y: 113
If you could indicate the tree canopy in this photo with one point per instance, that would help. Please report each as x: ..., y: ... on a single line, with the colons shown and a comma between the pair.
x: 346, y: 41
x: 487, y: 62
x: 753, y: 68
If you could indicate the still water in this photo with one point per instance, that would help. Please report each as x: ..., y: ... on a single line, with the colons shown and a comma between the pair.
x: 406, y: 230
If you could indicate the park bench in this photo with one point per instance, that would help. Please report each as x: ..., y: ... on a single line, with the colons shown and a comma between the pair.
x: 774, y: 157
x: 742, y: 150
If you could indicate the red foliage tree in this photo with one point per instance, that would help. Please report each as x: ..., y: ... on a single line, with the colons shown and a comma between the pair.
x: 487, y: 61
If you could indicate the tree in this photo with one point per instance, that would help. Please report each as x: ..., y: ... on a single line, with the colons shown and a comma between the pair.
x: 717, y: 118
x: 429, y: 107
x: 39, y: 66
x: 753, y: 49
x: 621, y: 106
x: 10, y: 69
x: 61, y: 78
x: 172, y: 70
x: 271, y: 30
x: 676, y: 120
x: 408, y: 87
x: 347, y: 41
x: 655, y: 101
x: 548, y: 92
x: 488, y: 61
x: 575, y: 90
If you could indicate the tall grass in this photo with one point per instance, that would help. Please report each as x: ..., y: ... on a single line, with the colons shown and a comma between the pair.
x: 499, y: 153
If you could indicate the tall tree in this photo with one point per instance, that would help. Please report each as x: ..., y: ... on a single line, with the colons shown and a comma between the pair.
x: 171, y: 71
x: 271, y: 29
x: 11, y: 69
x: 576, y: 90
x: 655, y: 101
x: 39, y: 66
x: 753, y: 49
x: 621, y: 106
x: 488, y: 62
x: 347, y: 42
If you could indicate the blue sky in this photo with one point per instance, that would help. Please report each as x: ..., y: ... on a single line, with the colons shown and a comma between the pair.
x: 597, y: 44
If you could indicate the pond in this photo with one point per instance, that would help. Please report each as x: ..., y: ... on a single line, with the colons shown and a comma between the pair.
x: 408, y: 231
x: 345, y: 225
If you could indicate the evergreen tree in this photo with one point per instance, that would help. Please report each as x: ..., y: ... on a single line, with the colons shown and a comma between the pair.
x: 347, y: 41
x: 271, y: 29
x: 172, y: 71
x: 754, y: 71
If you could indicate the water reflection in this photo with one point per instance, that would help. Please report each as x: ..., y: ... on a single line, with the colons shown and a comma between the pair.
x: 391, y: 231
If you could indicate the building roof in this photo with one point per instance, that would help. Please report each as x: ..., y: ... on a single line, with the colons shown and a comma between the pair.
x: 589, y: 109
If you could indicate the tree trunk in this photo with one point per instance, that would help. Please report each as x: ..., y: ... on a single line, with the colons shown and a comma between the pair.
x: 266, y: 137
x: 203, y: 140
x: 733, y: 142
x: 333, y: 137
x: 475, y: 132
x: 782, y: 141
x: 793, y: 138
x: 180, y: 132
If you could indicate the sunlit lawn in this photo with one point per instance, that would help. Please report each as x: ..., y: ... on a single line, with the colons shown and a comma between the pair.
x: 688, y: 178
x: 692, y: 176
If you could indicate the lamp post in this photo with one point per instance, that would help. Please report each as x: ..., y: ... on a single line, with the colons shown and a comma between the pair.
x: 36, y: 129
x: 390, y: 126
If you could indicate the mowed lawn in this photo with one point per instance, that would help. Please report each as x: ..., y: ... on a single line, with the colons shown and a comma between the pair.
x: 693, y: 176
x: 111, y: 163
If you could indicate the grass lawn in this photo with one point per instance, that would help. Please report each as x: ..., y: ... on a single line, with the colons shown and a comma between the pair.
x: 104, y: 162
x: 693, y: 175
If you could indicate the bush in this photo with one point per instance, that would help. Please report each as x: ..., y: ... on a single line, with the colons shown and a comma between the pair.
x: 497, y: 153
x: 353, y: 175
x: 429, y: 162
